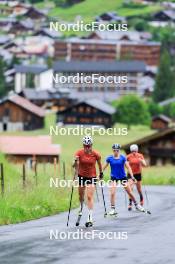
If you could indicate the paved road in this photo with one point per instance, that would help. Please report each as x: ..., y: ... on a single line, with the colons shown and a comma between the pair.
x: 150, y: 239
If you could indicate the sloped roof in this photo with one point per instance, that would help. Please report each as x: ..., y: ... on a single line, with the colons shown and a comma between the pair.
x: 149, y: 138
x: 53, y: 34
x: 99, y: 66
x: 169, y: 13
x: 106, y: 42
x: 4, y: 39
x: 25, y: 104
x: 96, y: 103
x: 33, y: 94
x: 167, y: 101
x: 28, y: 145
x: 111, y: 14
x: 33, y: 68
x: 118, y: 35
x: 162, y: 117
x: 101, y: 105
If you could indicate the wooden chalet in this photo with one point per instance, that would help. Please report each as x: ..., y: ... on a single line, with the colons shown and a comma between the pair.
x: 17, y: 114
x: 48, y: 99
x: 160, y: 122
x: 110, y: 17
x: 46, y: 32
x: 158, y: 148
x: 35, y: 14
x: 5, y: 10
x: 32, y: 76
x: 89, y: 112
x: 20, y: 149
x: 20, y: 27
x: 165, y: 16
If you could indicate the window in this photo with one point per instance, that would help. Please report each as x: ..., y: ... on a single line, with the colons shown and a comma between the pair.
x: 81, y: 109
x: 6, y: 112
x: 71, y: 119
x: 88, y: 110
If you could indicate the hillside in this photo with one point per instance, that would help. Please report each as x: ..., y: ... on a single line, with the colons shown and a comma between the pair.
x: 90, y: 8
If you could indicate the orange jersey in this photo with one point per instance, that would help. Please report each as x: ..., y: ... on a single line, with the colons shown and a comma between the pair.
x: 134, y: 162
x: 87, y: 163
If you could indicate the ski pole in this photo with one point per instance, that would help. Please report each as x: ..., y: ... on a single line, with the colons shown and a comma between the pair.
x: 97, y: 193
x: 147, y: 201
x: 70, y: 204
x: 125, y: 199
x: 104, y: 203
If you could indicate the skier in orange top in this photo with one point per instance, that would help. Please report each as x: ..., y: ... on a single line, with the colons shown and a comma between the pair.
x: 136, y: 161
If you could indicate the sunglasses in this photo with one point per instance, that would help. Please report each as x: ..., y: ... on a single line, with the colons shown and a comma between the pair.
x: 117, y: 150
x: 87, y: 146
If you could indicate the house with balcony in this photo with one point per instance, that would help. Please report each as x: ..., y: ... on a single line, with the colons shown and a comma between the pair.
x: 18, y: 114
x: 32, y: 76
x: 158, y: 148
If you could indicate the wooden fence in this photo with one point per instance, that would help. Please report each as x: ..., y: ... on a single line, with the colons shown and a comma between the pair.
x: 59, y: 169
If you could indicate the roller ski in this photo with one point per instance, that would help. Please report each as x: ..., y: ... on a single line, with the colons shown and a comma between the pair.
x: 111, y: 213
x: 89, y: 224
x: 142, y: 209
x: 79, y: 218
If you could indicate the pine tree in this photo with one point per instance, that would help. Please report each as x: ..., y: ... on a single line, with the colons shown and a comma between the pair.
x: 164, y: 81
x: 2, y: 78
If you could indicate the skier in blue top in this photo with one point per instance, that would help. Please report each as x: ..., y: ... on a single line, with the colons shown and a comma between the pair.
x: 117, y: 163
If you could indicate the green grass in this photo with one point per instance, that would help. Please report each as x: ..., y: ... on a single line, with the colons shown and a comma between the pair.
x: 139, y: 12
x: 90, y: 8
x: 87, y: 9
x: 33, y: 201
x: 163, y: 175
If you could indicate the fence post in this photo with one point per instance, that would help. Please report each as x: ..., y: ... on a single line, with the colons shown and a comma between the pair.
x: 59, y: 168
x: 24, y: 175
x: 44, y: 166
x: 64, y: 170
x: 36, y: 175
x: 2, y: 179
x: 55, y: 166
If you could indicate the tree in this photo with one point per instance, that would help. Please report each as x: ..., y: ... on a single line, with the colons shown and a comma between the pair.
x: 154, y: 108
x: 139, y: 24
x: 132, y: 110
x: 172, y: 110
x: 164, y: 81
x: 2, y: 78
x: 169, y: 110
x: 66, y: 3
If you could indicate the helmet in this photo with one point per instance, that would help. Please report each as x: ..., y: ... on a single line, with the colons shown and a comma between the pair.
x: 116, y: 146
x: 134, y: 147
x: 87, y: 140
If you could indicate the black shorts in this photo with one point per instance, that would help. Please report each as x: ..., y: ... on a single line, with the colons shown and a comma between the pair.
x: 122, y: 181
x: 86, y: 180
x: 137, y: 176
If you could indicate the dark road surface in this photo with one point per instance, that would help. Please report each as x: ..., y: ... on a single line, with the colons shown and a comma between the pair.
x: 150, y: 238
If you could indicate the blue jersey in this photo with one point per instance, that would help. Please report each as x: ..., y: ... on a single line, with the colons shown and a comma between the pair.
x: 117, y: 166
